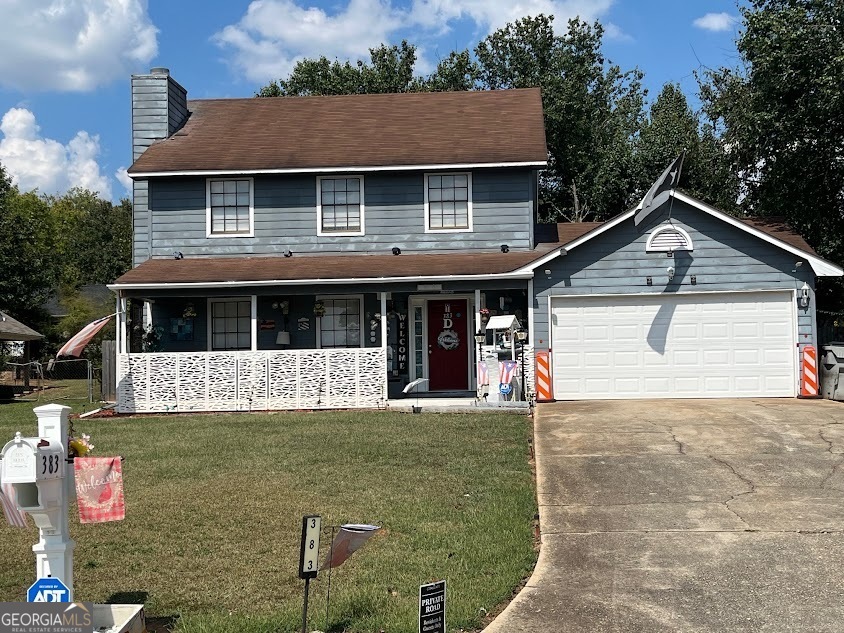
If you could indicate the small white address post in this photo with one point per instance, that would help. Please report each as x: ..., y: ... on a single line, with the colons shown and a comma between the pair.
x: 54, y: 550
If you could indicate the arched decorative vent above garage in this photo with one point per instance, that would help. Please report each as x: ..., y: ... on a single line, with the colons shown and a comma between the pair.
x: 669, y: 238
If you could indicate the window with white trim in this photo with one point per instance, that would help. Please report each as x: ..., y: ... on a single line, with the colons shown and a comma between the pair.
x: 340, y: 205
x: 448, y: 202
x: 340, y: 326
x: 230, y: 206
x: 669, y: 238
x: 231, y: 324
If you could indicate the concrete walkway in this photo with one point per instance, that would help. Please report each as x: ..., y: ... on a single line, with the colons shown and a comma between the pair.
x: 687, y: 515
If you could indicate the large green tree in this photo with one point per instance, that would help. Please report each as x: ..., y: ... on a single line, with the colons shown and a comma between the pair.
x: 93, y: 238
x: 390, y: 69
x: 671, y: 128
x: 781, y: 117
x: 593, y: 110
x: 27, y: 261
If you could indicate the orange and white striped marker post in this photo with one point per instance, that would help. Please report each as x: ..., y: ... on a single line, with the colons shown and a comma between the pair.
x: 544, y: 391
x: 809, y: 383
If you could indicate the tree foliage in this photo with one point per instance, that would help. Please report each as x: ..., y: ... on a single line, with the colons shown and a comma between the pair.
x: 671, y: 128
x: 50, y: 246
x: 390, y: 69
x: 781, y: 116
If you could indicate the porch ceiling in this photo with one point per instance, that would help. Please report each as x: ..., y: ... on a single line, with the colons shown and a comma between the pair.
x: 329, y: 268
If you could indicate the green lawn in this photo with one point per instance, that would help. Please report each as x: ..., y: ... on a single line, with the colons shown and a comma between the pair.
x: 214, y: 507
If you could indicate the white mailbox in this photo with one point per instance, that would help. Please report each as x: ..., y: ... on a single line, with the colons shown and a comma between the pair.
x: 36, y: 468
x: 32, y: 459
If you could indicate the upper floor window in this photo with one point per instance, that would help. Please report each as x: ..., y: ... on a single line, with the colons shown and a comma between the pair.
x: 669, y: 238
x: 230, y: 207
x: 340, y: 206
x: 448, y: 202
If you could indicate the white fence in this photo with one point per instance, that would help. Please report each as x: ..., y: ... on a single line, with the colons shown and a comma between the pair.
x: 251, y: 381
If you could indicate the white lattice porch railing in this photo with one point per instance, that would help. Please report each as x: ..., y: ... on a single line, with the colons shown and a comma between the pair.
x: 251, y: 381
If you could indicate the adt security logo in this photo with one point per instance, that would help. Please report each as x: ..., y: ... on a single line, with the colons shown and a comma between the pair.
x: 48, y: 590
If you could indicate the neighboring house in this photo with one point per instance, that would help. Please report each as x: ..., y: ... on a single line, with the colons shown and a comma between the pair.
x: 325, y: 251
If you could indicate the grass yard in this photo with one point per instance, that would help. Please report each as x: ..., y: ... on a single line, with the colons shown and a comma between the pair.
x: 214, y: 507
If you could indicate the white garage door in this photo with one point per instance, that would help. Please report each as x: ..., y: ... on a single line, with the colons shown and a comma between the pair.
x: 674, y: 346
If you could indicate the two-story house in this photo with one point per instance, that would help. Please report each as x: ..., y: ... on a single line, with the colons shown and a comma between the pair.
x: 325, y: 251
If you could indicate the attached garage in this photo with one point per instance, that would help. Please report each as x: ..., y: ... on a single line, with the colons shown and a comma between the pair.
x: 701, y: 345
x: 690, y: 303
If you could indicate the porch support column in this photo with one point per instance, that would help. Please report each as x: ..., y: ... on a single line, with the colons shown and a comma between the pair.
x: 383, y: 297
x: 254, y: 329
x: 478, y: 307
x: 530, y: 313
x: 122, y: 346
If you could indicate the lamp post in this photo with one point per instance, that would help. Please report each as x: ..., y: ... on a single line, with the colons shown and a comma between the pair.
x: 480, y: 337
x: 521, y: 336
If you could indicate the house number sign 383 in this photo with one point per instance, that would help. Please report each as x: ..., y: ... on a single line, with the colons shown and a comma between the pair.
x: 309, y: 552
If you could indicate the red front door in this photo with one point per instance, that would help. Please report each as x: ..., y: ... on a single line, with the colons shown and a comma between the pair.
x: 448, y: 351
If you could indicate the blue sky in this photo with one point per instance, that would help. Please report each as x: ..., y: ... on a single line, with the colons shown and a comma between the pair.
x: 65, y: 64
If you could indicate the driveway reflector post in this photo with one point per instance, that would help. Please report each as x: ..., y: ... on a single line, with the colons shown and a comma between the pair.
x: 544, y: 390
x: 809, y: 382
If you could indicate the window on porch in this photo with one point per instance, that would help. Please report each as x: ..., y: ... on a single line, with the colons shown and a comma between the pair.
x: 341, y: 324
x: 231, y: 325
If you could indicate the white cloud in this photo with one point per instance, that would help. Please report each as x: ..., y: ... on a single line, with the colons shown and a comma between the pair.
x: 716, y: 22
x: 73, y: 45
x: 493, y: 14
x: 614, y: 32
x: 45, y: 164
x: 122, y: 176
x: 274, y: 34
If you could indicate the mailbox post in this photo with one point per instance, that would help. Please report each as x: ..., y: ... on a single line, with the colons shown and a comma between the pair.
x: 38, y: 469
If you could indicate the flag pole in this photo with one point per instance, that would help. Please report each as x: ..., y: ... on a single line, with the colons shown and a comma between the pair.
x: 679, y: 173
x: 328, y: 593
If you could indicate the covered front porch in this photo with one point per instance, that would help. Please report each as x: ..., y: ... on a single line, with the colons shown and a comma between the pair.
x: 295, y: 346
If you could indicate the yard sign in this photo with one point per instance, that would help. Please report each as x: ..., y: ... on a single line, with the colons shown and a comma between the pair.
x: 432, y: 607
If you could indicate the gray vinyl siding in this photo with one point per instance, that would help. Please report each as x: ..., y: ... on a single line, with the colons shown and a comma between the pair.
x: 286, y: 217
x: 140, y: 222
x: 724, y: 259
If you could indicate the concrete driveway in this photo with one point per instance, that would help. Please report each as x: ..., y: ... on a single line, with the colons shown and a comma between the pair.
x: 687, y: 515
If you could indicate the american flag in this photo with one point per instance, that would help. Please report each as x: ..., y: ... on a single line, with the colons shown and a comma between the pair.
x: 76, y: 345
x: 506, y: 369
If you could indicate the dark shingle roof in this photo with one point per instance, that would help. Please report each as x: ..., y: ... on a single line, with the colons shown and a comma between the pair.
x: 258, y: 269
x: 13, y: 330
x: 377, y: 130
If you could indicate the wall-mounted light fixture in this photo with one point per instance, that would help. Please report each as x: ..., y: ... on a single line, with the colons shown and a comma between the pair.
x: 670, y: 273
x: 804, y: 295
x: 548, y: 271
x: 505, y: 248
x: 288, y: 253
x: 178, y: 255
x: 396, y: 250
